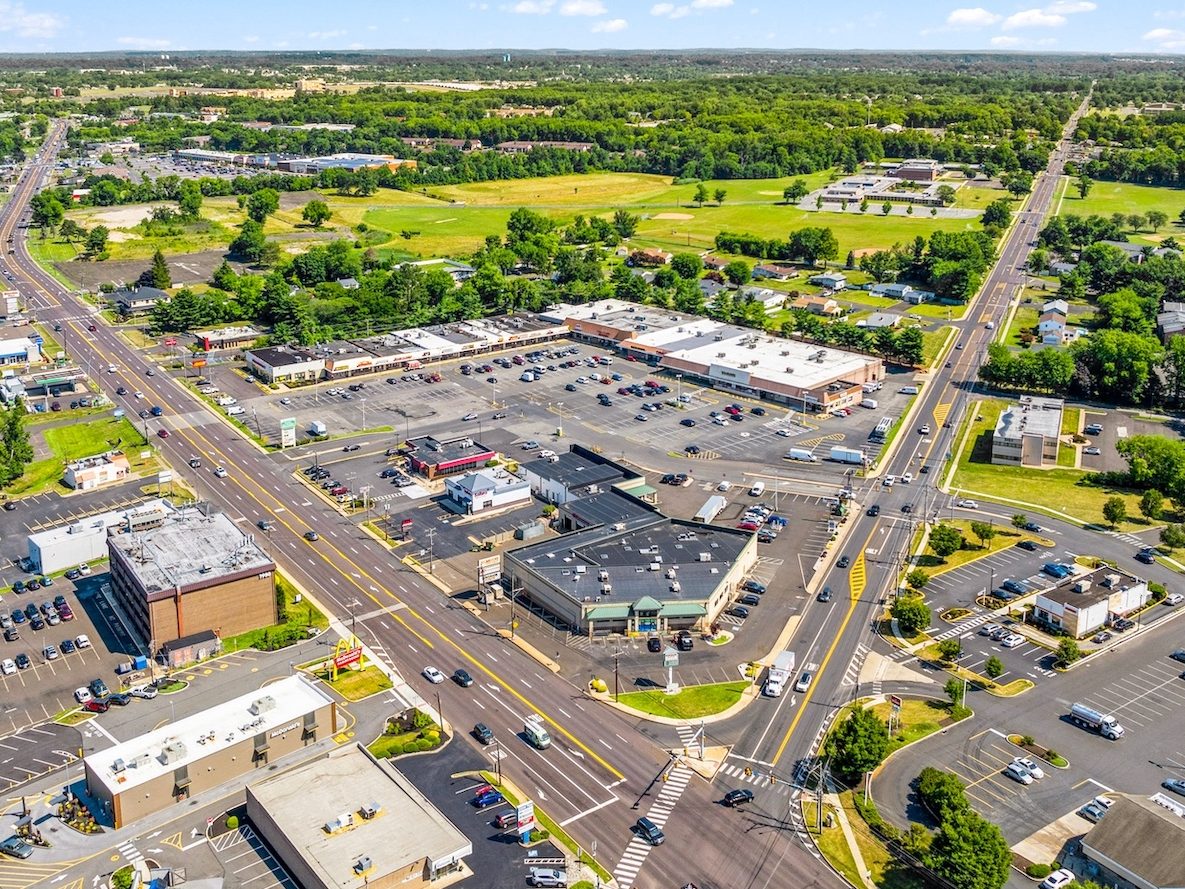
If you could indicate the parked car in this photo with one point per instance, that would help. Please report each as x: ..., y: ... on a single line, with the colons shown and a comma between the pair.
x: 96, y: 706
x: 1176, y: 785
x: 1059, y: 879
x: 548, y: 877
x: 148, y: 692
x: 1018, y: 773
x: 15, y: 847
x: 1092, y: 812
x: 1030, y: 764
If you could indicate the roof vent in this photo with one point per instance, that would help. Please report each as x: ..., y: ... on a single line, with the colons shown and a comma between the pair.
x: 369, y: 810
x: 262, y: 705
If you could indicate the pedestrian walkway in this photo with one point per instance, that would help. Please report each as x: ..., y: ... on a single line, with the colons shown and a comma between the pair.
x: 636, y: 852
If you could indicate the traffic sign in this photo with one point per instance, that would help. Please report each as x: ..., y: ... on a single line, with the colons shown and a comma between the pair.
x: 895, y: 703
x: 670, y: 657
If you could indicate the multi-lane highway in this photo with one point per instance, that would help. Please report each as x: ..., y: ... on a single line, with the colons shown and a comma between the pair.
x: 601, y: 773
x: 604, y: 771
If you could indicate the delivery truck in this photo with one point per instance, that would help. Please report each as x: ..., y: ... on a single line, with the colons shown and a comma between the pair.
x: 780, y: 673
x: 801, y: 454
x: 1097, y: 721
x: 847, y: 455
x: 317, y: 428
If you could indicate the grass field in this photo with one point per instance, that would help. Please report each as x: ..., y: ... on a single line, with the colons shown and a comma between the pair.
x: 356, y: 685
x: 691, y: 702
x: 977, y: 196
x: 77, y: 440
x: 932, y: 343
x: 1025, y: 319
x: 1106, y: 198
x: 1065, y: 491
x: 972, y: 550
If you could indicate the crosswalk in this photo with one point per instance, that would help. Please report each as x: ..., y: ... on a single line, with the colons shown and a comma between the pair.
x: 636, y: 852
x: 131, y: 854
x: 851, y: 675
x: 1126, y: 538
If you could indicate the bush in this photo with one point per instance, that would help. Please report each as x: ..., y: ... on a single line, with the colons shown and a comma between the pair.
x: 1027, y: 741
x: 424, y: 744
x: 122, y: 878
x: 232, y: 822
x: 1038, y: 871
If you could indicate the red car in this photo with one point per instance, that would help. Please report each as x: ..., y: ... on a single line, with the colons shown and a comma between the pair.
x: 748, y: 526
x: 98, y: 705
x: 163, y: 433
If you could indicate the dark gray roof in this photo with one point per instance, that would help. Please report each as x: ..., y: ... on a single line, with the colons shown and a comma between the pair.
x: 610, y: 508
x: 192, y: 639
x: 573, y: 471
x: 140, y: 294
x: 1146, y: 839
x: 280, y: 357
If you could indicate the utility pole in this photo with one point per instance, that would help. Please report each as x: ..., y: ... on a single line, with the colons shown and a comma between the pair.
x: 431, y: 550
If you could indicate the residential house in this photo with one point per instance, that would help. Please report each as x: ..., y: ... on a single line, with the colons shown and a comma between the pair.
x: 348, y: 283
x: 1051, y: 325
x: 773, y: 300
x: 715, y: 263
x: 897, y: 290
x: 831, y: 280
x: 1137, y: 252
x: 880, y: 319
x: 1083, y: 604
x: 773, y: 271
x: 710, y: 288
x: 819, y: 305
x: 137, y: 300
x: 1061, y: 267
x: 1170, y: 321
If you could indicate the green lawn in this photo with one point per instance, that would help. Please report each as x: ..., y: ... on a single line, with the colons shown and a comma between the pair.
x: 1006, y: 536
x: 939, y: 311
x: 298, y: 617
x: 355, y: 685
x: 977, y: 196
x: 916, y: 720
x: 832, y: 843
x: 932, y: 343
x: 1106, y: 198
x: 75, y: 441
x: 1068, y: 491
x: 1023, y: 321
x: 886, y: 871
x: 691, y: 702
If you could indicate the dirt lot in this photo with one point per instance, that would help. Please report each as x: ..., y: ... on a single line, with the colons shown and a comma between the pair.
x: 189, y: 268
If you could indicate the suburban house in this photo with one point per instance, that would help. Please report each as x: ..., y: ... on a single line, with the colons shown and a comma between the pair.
x: 819, y: 305
x: 773, y: 271
x: 1061, y: 267
x: 1137, y: 252
x: 137, y: 300
x: 710, y: 288
x: 895, y: 290
x: 1170, y: 321
x: 830, y: 280
x: 714, y: 263
x: 1027, y: 433
x: 101, y: 469
x: 460, y: 272
x: 653, y: 256
x: 771, y: 299
x: 880, y: 319
x: 1051, y: 326
x: 348, y: 283
x: 1083, y: 604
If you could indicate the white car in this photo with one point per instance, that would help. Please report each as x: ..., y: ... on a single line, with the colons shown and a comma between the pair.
x: 907, y: 478
x: 1092, y: 451
x: 8, y: 666
x: 83, y: 641
x: 889, y: 481
x: 925, y: 429
x: 988, y: 629
x: 82, y: 695
x: 1058, y: 879
x: 1019, y: 773
x: 433, y: 675
x: 804, y: 682
x: 784, y: 432
x: 1030, y: 765
x: 968, y: 504
x: 724, y: 486
x: 219, y: 472
x: 138, y: 394
x: 1013, y: 640
x: 1174, y: 599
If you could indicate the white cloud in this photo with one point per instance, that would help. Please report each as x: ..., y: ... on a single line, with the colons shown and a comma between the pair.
x: 710, y: 4
x: 145, y: 42
x: 670, y: 10
x: 1033, y: 18
x: 326, y: 35
x: 973, y: 17
x: 251, y: 38
x: 533, y: 7
x: 1166, y: 38
x: 1168, y: 15
x: 1003, y: 42
x: 610, y: 26
x: 582, y: 7
x: 15, y: 18
x: 1071, y: 7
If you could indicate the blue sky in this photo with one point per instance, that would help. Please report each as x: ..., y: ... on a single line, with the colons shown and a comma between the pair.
x: 164, y: 25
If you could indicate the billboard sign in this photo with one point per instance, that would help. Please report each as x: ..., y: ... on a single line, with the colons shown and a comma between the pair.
x: 526, y: 816
x: 199, y: 362
x: 171, y: 341
x: 670, y: 657
x: 347, y: 657
x: 288, y: 432
x: 489, y: 569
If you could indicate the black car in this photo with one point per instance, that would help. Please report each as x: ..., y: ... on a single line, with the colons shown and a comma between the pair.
x: 23, y: 662
x: 757, y: 411
x: 687, y: 421
x: 483, y: 733
x: 98, y: 688
x: 753, y: 586
x: 122, y: 390
x: 925, y: 468
x: 462, y: 678
x: 843, y: 562
x: 692, y: 449
x: 739, y: 611
x: 67, y: 646
x: 119, y: 698
x: 874, y: 510
x: 654, y: 644
x: 750, y: 599
x: 824, y: 594
x: 1027, y: 545
x: 144, y: 415
x: 738, y: 797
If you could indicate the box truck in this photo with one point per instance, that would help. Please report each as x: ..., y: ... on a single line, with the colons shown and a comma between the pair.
x: 847, y: 455
x: 801, y: 454
x: 1105, y: 725
x: 870, y: 403
x: 317, y: 428
x: 780, y: 672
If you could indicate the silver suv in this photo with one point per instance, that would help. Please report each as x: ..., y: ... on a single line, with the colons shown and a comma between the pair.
x: 548, y: 877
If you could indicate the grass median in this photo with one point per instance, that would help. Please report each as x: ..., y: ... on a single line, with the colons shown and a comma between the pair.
x: 690, y: 702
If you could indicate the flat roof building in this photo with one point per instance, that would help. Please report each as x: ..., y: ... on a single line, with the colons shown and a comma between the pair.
x: 435, y: 457
x: 486, y: 489
x: 365, y: 825
x: 20, y: 350
x: 85, y: 539
x: 285, y: 364
x: 170, y: 764
x: 101, y: 469
x: 195, y: 571
x: 1084, y: 603
x: 137, y: 300
x: 577, y: 473
x: 630, y: 569
x: 226, y: 338
x: 1027, y: 433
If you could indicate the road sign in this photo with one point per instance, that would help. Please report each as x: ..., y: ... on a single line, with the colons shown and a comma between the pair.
x: 164, y: 477
x: 670, y: 657
x: 199, y: 362
x: 171, y: 341
x: 489, y: 569
x: 288, y: 432
x: 895, y: 702
x: 405, y: 524
x: 526, y: 816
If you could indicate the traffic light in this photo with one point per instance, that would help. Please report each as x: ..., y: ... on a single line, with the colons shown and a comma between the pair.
x: 665, y: 776
x: 748, y: 772
x: 773, y: 779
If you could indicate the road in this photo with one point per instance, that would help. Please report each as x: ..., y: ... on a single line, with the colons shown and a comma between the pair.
x: 600, y: 774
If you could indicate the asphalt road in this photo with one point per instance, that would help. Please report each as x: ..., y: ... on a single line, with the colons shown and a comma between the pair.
x: 599, y: 762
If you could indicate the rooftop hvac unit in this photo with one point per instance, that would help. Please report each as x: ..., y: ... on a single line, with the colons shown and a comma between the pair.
x: 173, y: 752
x: 618, y: 526
x: 580, y: 569
x: 1111, y: 581
x: 789, y: 370
x: 606, y: 589
x: 718, y: 338
x: 262, y: 705
x: 369, y: 810
x: 118, y: 766
x: 335, y: 824
x: 602, y: 575
x: 1082, y: 586
x: 670, y: 573
x: 704, y: 557
x: 205, y: 569
x: 140, y: 760
x: 654, y: 566
x: 674, y: 586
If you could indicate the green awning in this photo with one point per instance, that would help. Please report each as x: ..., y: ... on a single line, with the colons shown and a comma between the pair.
x: 638, y: 489
x: 683, y: 609
x: 647, y: 603
x: 608, y: 612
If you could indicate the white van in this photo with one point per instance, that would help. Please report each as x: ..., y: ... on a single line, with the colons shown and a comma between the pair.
x: 908, y: 390
x: 527, y: 376
x: 870, y: 403
x: 757, y: 490
x: 227, y: 401
x: 235, y: 410
x: 537, y: 735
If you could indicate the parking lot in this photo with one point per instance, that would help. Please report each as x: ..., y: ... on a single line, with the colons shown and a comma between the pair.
x: 35, y: 750
x: 248, y: 861
x: 1148, y: 694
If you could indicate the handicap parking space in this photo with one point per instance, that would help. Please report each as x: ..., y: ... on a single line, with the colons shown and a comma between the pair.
x: 1153, y: 693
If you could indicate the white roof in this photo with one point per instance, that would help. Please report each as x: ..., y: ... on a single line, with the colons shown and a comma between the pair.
x: 95, y: 524
x: 143, y: 758
x: 788, y: 363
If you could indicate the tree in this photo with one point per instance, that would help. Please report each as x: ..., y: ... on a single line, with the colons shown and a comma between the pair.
x: 949, y: 650
x: 1125, y: 310
x: 1084, y: 184
x: 850, y: 262
x: 70, y: 231
x: 625, y: 223
x: 316, y: 213
x: 1136, y: 221
x: 813, y: 243
x: 887, y: 208
x: 917, y: 578
x: 857, y: 745
x: 189, y: 199
x: 1018, y: 184
x: 994, y: 667
x: 16, y: 452
x: 250, y: 242
x: 158, y: 274
x: 687, y: 265
x: 1173, y: 536
x: 1019, y: 520
x: 1152, y: 504
x: 954, y: 691
x: 701, y: 194
x: 96, y: 240
x: 946, y: 194
x: 795, y: 191
x: 911, y: 613
x: 719, y: 194
x: 1116, y: 365
x: 1114, y: 510
x: 996, y: 215
x: 1068, y: 651
x: 1156, y: 219
x: 945, y: 540
x: 738, y: 272
x: 942, y: 793
x: 262, y: 204
x: 984, y: 531
x: 970, y: 852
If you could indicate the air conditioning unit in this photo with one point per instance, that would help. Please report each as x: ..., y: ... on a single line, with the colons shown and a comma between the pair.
x: 704, y: 557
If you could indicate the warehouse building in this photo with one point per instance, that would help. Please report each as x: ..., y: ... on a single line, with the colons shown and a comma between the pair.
x: 1028, y: 433
x: 85, y: 540
x: 195, y: 571
x: 183, y: 758
x: 366, y: 825
x: 627, y: 568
